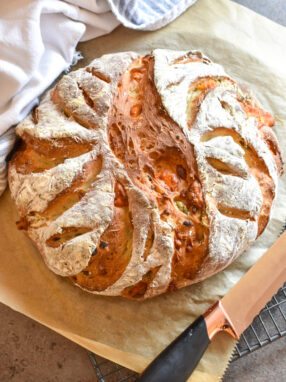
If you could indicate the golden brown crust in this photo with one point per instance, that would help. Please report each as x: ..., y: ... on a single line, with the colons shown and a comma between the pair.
x: 153, y: 163
x: 160, y: 161
x: 112, y: 255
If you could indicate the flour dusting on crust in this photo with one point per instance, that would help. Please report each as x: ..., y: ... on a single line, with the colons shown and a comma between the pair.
x: 225, y: 140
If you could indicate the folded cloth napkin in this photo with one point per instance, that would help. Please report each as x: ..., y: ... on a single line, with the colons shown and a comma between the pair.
x: 38, y: 41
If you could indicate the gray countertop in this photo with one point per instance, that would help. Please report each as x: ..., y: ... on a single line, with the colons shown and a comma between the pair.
x: 273, y: 9
x: 31, y: 352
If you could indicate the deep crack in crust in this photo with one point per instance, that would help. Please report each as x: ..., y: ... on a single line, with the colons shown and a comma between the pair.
x: 160, y: 161
x: 138, y: 175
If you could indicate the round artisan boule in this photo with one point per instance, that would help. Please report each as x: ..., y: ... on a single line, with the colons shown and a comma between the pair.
x: 142, y: 174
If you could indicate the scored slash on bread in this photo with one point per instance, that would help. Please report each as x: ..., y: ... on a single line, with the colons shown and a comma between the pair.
x: 140, y: 175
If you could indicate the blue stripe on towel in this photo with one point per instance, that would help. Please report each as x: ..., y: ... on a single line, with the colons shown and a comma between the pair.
x: 148, y: 14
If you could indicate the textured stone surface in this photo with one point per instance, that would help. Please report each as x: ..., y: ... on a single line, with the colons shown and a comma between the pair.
x: 264, y: 365
x: 31, y: 352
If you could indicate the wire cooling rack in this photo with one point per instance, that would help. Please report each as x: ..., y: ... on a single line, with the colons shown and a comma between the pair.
x: 267, y: 327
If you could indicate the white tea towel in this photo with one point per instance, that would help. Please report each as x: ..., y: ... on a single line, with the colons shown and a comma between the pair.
x: 6, y: 144
x: 38, y: 41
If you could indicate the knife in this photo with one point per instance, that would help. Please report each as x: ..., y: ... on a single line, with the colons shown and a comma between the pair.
x: 232, y: 314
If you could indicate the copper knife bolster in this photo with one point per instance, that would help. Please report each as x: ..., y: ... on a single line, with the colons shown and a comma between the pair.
x: 217, y: 320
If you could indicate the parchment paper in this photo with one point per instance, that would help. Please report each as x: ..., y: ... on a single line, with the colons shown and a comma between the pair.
x: 128, y: 332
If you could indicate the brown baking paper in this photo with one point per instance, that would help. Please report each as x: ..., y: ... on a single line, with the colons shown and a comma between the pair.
x: 131, y: 333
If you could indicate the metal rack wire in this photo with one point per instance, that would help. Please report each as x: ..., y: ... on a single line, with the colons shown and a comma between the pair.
x: 107, y: 371
x: 268, y: 326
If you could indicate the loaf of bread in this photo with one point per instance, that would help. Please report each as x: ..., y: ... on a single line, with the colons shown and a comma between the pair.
x: 139, y: 175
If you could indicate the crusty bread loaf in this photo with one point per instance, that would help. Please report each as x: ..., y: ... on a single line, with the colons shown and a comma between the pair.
x: 140, y: 175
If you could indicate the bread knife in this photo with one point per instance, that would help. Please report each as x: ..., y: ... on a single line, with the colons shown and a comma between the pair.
x: 232, y: 314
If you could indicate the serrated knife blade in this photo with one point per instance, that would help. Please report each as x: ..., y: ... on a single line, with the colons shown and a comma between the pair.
x: 257, y: 287
x: 232, y: 314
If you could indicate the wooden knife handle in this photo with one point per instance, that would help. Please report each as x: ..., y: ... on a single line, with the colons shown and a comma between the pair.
x: 179, y: 359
